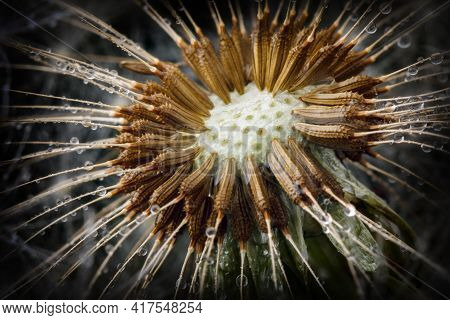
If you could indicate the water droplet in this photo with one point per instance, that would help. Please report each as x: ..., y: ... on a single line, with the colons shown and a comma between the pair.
x: 108, y: 248
x: 385, y: 8
x: 142, y: 252
x: 438, y: 145
x: 210, y: 232
x: 404, y: 42
x: 326, y: 218
x: 350, y: 210
x: 425, y: 148
x: 437, y: 127
x: 371, y: 28
x: 326, y: 230
x: 399, y: 138
x: 437, y: 58
x: 86, y: 123
x: 74, y: 140
x: 123, y: 230
x: 67, y: 198
x: 101, y: 191
x: 242, y: 278
x: 154, y: 209
x: 390, y: 106
x: 88, y: 165
x: 141, y: 218
x: 90, y: 74
x: 412, y: 71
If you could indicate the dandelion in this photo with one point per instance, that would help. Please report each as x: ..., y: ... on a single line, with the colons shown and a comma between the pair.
x: 239, y: 158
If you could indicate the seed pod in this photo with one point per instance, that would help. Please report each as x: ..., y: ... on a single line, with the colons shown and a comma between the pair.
x: 198, y: 220
x: 193, y: 202
x: 221, y: 231
x: 340, y: 131
x: 285, y: 160
x: 160, y: 99
x: 133, y: 180
x: 222, y: 198
x: 125, y: 138
x: 258, y: 188
x: 162, y: 194
x: 292, y: 189
x: 358, y: 84
x: 337, y: 137
x: 198, y: 178
x: 177, y: 218
x: 139, y: 112
x: 319, y: 175
x: 165, y: 218
x: 325, y: 115
x: 140, y: 127
x: 260, y: 49
x: 241, y: 216
x: 136, y: 66
x: 132, y: 158
x: 157, y: 143
x: 180, y: 118
x: 317, y: 67
x: 334, y: 99
x: 173, y: 158
x: 230, y: 60
x: 277, y: 213
x: 185, y: 91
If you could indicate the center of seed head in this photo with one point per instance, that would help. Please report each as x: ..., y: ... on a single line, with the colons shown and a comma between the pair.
x: 248, y: 124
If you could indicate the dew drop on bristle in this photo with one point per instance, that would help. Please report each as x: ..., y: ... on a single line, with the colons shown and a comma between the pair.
x: 140, y: 218
x: 385, y: 8
x: 88, y: 165
x: 436, y: 58
x: 399, y: 138
x: 326, y: 230
x: 350, y: 211
x: 108, y: 248
x: 210, y: 232
x: 412, y: 71
x: 371, y: 28
x: 244, y: 280
x: 142, y: 252
x: 154, y: 209
x: 101, y: 191
x: 326, y: 218
x: 404, y: 42
x: 86, y: 123
x: 123, y: 230
x: 74, y: 140
x: 425, y: 148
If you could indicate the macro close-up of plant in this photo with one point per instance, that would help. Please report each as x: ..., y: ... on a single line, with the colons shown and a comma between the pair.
x: 224, y: 149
